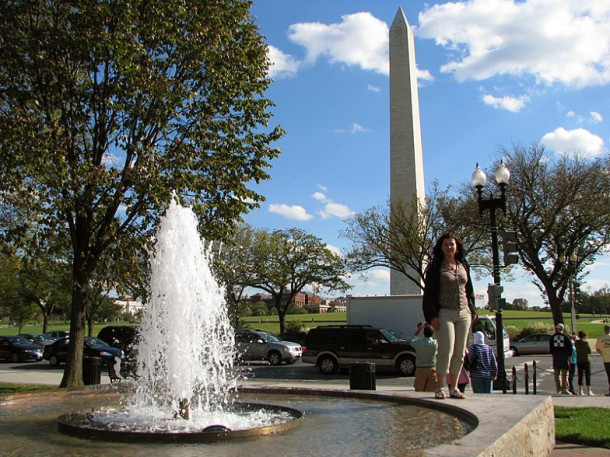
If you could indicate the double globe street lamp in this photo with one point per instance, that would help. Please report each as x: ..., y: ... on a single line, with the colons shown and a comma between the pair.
x: 479, y: 178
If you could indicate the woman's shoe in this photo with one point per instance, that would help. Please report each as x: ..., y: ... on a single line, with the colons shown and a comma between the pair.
x: 439, y: 394
x: 457, y: 394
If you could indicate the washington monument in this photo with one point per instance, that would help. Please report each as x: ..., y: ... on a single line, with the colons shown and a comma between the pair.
x: 406, y: 162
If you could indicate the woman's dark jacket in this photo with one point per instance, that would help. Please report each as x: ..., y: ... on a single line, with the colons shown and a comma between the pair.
x: 432, y: 281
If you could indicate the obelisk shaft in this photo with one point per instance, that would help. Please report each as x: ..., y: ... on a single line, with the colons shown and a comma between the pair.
x: 406, y: 161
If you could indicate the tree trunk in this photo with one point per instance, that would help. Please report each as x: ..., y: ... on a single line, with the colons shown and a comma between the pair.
x: 45, y: 322
x: 73, y: 375
x: 555, y: 303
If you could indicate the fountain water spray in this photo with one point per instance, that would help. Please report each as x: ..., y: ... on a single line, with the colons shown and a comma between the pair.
x: 186, y: 349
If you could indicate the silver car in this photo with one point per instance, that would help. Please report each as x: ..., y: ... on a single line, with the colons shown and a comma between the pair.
x: 259, y: 345
x: 537, y: 343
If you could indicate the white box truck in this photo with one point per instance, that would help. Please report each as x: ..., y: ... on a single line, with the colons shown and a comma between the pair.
x: 402, y: 313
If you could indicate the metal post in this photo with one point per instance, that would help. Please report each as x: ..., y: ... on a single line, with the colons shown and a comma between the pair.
x: 534, y: 388
x: 526, y: 379
x: 496, y: 275
x: 514, y: 380
x: 572, y: 309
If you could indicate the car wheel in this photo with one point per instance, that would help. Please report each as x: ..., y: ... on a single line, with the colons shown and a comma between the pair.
x: 14, y: 357
x: 53, y: 360
x: 274, y: 358
x: 328, y: 365
x: 406, y: 365
x: 515, y: 352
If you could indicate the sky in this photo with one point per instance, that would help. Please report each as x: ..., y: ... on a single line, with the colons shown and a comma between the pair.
x: 491, y: 73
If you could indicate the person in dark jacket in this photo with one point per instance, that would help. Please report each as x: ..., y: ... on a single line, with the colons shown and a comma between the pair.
x: 561, y: 350
x: 484, y: 369
x: 448, y: 306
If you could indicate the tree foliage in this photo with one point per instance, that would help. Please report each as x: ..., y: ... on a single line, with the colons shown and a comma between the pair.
x: 559, y: 206
x: 284, y: 262
x: 233, y: 267
x: 107, y: 106
x: 402, y: 238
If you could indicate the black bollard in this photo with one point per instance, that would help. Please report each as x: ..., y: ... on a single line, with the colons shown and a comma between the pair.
x: 534, y: 388
x: 526, y: 377
x: 514, y: 380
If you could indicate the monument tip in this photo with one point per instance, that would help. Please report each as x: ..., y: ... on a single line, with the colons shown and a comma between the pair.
x: 400, y: 20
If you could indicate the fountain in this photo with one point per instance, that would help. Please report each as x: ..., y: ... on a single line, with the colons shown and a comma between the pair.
x: 186, y: 379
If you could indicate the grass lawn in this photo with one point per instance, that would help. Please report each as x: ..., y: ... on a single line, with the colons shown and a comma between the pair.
x: 8, y: 388
x: 588, y: 426
x: 517, y: 319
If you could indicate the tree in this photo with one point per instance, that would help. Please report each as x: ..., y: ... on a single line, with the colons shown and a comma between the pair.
x: 286, y: 261
x: 402, y: 239
x: 559, y: 206
x: 108, y: 107
x: 597, y: 302
x: 232, y: 266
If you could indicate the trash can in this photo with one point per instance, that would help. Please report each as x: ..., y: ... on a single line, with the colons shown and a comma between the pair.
x: 92, y: 370
x: 362, y: 376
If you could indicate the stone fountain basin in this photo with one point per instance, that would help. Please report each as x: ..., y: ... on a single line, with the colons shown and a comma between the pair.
x: 78, y: 423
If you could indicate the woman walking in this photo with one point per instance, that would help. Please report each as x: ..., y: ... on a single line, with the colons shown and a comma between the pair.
x: 448, y: 306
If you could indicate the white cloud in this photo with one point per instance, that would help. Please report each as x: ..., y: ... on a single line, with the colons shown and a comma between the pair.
x: 319, y: 196
x: 336, y: 209
x: 579, y: 141
x: 555, y: 41
x: 513, y: 104
x: 334, y: 249
x: 360, y: 40
x: 372, y: 88
x: 594, y: 117
x: 282, y: 65
x: 353, y: 129
x: 290, y: 212
x: 380, y: 275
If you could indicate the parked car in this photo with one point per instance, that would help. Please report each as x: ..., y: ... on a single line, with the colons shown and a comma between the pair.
x: 536, y: 343
x: 124, y: 337
x: 19, y: 349
x: 337, y: 346
x: 57, y: 352
x: 58, y: 334
x: 259, y: 345
x: 38, y: 338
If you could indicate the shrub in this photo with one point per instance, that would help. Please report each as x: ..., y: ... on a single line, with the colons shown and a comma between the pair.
x: 536, y: 327
x: 294, y: 326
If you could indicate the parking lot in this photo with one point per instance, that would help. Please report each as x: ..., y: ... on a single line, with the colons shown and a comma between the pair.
x: 44, y: 373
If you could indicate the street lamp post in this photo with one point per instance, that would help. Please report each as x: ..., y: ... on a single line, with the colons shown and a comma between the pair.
x: 573, y: 259
x: 479, y: 178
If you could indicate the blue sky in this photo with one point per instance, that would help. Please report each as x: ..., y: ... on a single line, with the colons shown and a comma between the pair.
x: 491, y: 73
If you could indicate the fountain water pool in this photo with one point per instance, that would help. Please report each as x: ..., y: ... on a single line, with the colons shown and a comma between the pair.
x: 334, y: 423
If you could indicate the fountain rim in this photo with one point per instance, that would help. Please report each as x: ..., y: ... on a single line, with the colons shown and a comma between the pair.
x: 68, y: 423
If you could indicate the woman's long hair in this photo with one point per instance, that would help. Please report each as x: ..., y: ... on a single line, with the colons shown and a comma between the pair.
x: 437, y: 251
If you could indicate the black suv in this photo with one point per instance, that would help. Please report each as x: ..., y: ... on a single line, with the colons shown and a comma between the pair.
x: 337, y: 346
x: 124, y: 337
